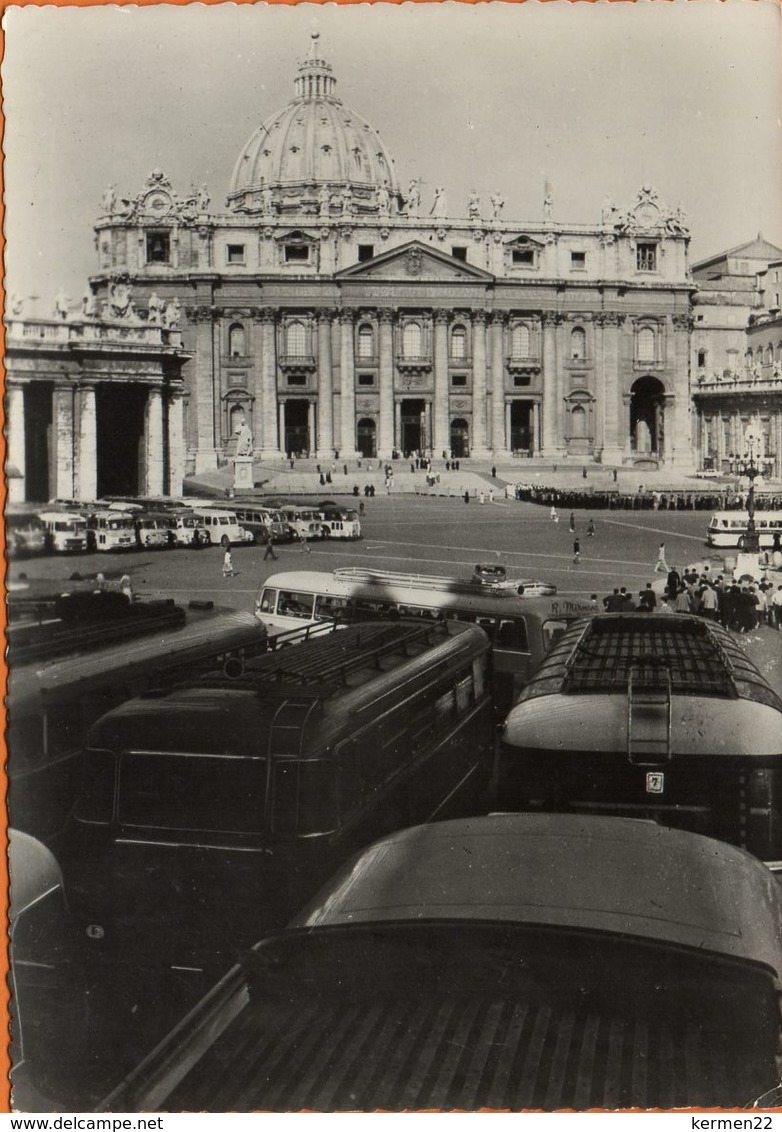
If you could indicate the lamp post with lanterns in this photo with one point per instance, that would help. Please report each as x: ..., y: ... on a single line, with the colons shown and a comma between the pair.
x: 746, y: 466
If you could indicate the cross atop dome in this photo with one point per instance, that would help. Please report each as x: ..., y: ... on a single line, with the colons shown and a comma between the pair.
x: 315, y: 78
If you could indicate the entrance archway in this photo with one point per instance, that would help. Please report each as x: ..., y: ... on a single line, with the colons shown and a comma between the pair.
x: 39, y: 473
x: 521, y: 427
x: 366, y: 437
x: 119, y: 412
x: 647, y: 418
x: 413, y: 414
x: 460, y: 438
x: 297, y: 433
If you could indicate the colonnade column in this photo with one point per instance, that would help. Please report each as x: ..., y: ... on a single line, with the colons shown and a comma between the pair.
x: 86, y: 486
x: 153, y: 446
x: 478, y: 446
x: 442, y: 439
x: 614, y: 430
x: 390, y: 432
x: 325, y: 438
x: 14, y: 400
x: 681, y: 441
x: 347, y: 446
x: 176, y: 443
x: 499, y: 441
x: 272, y: 439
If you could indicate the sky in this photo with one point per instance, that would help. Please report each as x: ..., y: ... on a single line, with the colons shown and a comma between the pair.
x: 595, y: 99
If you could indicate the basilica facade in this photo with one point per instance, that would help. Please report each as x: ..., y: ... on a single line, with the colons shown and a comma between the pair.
x: 330, y: 308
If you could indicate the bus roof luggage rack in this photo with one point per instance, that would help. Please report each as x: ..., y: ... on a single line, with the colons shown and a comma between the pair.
x: 418, y: 581
x: 649, y: 712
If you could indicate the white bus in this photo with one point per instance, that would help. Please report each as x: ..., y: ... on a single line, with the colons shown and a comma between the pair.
x: 221, y: 526
x: 340, y: 522
x: 66, y: 531
x: 729, y: 528
x: 110, y: 530
x: 522, y: 629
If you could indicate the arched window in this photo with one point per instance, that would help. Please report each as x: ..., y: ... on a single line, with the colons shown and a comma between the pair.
x: 769, y: 354
x: 458, y: 342
x: 520, y: 341
x: 578, y: 422
x: 645, y: 345
x: 366, y: 341
x: 236, y: 341
x: 577, y: 344
x: 411, y: 340
x: 296, y: 339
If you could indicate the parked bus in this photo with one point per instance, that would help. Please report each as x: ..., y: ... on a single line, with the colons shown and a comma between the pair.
x: 25, y: 534
x: 521, y: 629
x: 340, y: 522
x: 153, y: 531
x: 210, y: 813
x: 305, y: 522
x: 52, y: 703
x: 644, y: 715
x: 185, y: 529
x: 263, y: 523
x: 729, y: 528
x: 221, y: 525
x: 65, y: 531
x: 111, y: 530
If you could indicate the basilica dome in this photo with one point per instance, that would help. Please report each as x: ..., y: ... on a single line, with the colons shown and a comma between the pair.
x: 312, y: 154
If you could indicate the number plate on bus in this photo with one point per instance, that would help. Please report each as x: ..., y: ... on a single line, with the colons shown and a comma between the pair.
x: 655, y: 782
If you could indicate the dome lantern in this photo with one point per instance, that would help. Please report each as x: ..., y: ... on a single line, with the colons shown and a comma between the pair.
x: 315, y: 79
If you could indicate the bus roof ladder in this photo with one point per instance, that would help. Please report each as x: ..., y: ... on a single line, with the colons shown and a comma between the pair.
x: 289, y: 724
x: 649, y: 713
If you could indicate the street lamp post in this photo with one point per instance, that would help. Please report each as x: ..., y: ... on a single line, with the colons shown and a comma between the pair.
x: 746, y: 466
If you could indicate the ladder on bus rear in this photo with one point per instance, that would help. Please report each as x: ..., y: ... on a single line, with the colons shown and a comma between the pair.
x: 289, y: 725
x: 649, y: 713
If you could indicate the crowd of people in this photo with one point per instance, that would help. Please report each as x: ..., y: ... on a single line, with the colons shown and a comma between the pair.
x: 643, y: 499
x: 738, y: 605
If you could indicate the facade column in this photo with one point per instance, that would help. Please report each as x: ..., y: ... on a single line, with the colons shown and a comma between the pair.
x: 442, y: 440
x: 16, y: 453
x: 281, y: 432
x: 428, y: 445
x: 87, y: 479
x: 535, y: 427
x: 311, y: 431
x: 499, y: 442
x: 681, y: 452
x: 551, y: 446
x: 272, y: 440
x: 347, y: 447
x: 176, y: 443
x: 325, y: 438
x: 389, y: 437
x: 205, y: 391
x: 508, y: 424
x: 478, y: 445
x: 613, y: 403
x: 153, y: 446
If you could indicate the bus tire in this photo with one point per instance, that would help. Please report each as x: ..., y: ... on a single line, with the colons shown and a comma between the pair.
x: 326, y: 532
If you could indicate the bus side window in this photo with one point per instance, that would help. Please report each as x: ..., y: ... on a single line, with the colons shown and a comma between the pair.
x: 488, y: 624
x: 512, y: 634
x: 552, y: 631
x: 268, y: 599
x: 327, y: 607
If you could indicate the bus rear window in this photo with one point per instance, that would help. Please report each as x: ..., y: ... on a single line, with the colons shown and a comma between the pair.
x: 512, y: 634
x: 552, y: 631
x: 192, y: 792
x: 294, y: 604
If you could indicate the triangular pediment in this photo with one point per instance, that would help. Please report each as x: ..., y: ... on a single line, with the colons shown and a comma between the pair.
x: 416, y: 262
x: 521, y: 242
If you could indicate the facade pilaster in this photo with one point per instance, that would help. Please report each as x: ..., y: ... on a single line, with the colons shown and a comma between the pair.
x: 153, y: 446
x: 550, y: 385
x: 535, y: 427
x: 681, y: 456
x: 63, y: 463
x: 325, y: 436
x: 176, y: 443
x: 311, y: 425
x: 86, y: 486
x: 478, y: 445
x: 207, y: 439
x: 16, y: 454
x: 499, y: 442
x: 272, y: 438
x: 613, y: 405
x: 390, y: 432
x: 347, y: 446
x: 281, y: 427
x: 442, y: 441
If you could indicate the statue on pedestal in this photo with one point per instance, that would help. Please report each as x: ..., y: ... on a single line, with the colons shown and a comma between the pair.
x: 497, y: 205
x: 171, y: 314
x: 439, y: 203
x: 155, y: 312
x: 413, y: 198
x: 474, y: 206
x: 244, y: 440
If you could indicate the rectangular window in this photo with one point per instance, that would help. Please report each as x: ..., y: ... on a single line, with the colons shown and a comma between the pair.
x: 646, y: 257
x: 297, y: 379
x: 158, y: 247
x: 365, y: 252
x: 297, y: 253
x: 459, y: 253
x: 524, y: 257
x: 459, y: 381
x: 237, y: 378
x: 578, y: 260
x: 234, y: 253
x: 366, y: 379
x: 520, y: 379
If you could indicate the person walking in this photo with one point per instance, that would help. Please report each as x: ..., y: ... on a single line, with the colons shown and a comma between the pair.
x: 576, y: 551
x: 269, y: 552
x: 554, y: 514
x: 591, y: 528
x: 572, y: 526
x: 661, y: 566
x: 228, y: 566
x: 305, y: 546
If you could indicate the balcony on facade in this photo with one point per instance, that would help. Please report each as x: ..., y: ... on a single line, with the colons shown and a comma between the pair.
x: 297, y: 364
x: 58, y: 332
x: 415, y: 365
x: 760, y: 379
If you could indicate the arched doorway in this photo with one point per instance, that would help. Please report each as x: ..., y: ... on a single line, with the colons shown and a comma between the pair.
x: 460, y: 438
x: 521, y: 427
x: 647, y: 417
x: 413, y: 421
x: 366, y: 437
x: 297, y: 432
